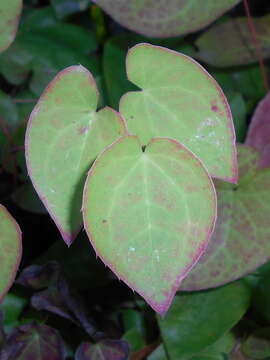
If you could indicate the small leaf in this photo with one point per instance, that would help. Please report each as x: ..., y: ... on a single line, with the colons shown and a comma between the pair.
x: 34, y: 341
x: 151, y: 219
x: 180, y: 100
x: 11, y: 250
x: 257, y: 345
x: 9, y: 19
x: 158, y: 354
x: 234, y: 36
x: 39, y: 277
x: 106, y: 349
x: 240, y: 241
x: 165, y: 18
x: 64, y: 136
x: 259, y: 131
x: 191, y: 325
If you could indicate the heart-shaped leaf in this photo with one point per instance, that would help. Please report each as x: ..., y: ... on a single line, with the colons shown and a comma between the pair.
x: 9, y: 19
x: 149, y: 214
x: 11, y: 249
x: 180, y: 100
x: 259, y: 131
x: 34, y: 341
x: 234, y: 36
x: 240, y: 242
x: 191, y: 325
x: 105, y: 349
x: 165, y: 18
x: 64, y: 136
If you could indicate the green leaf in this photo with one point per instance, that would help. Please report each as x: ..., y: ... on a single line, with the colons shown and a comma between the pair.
x: 8, y: 111
x: 11, y: 248
x: 166, y: 18
x: 134, y: 339
x: 65, y: 8
x: 64, y: 136
x: 158, y: 354
x: 240, y: 241
x: 197, y: 320
x: 9, y: 19
x: 180, y: 100
x: 239, y: 112
x: 149, y: 214
x: 216, y: 351
x: 37, y: 50
x: 257, y: 345
x: 12, y: 307
x: 234, y: 36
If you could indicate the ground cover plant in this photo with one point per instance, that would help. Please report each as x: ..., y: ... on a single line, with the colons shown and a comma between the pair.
x: 135, y: 171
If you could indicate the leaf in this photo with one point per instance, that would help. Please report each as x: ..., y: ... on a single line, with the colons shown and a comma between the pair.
x: 9, y: 19
x: 240, y: 241
x: 239, y: 112
x: 259, y: 130
x: 158, y: 354
x: 257, y: 345
x: 151, y: 219
x: 36, y: 49
x: 12, y: 307
x: 106, y: 349
x: 39, y: 277
x: 216, y: 351
x: 65, y: 8
x: 34, y: 341
x: 166, y: 18
x: 11, y: 250
x: 191, y: 325
x: 64, y: 136
x: 234, y: 36
x: 134, y: 339
x: 8, y: 110
x: 181, y: 101
x: 261, y: 297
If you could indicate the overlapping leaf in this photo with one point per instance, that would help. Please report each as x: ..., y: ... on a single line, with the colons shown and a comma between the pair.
x: 64, y: 136
x: 198, y: 320
x: 10, y: 253
x: 149, y: 214
x: 180, y: 100
x: 165, y: 18
x: 230, y: 43
x: 259, y: 131
x: 106, y: 349
x: 257, y: 345
x: 9, y: 19
x: 240, y: 242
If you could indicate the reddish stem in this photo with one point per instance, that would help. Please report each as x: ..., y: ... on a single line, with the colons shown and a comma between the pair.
x: 257, y: 45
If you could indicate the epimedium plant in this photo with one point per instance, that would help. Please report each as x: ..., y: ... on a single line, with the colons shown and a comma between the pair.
x: 153, y: 181
x: 149, y: 204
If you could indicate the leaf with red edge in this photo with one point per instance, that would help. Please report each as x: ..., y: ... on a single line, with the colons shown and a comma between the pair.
x: 180, y: 100
x: 149, y: 213
x: 34, y: 341
x: 9, y: 19
x: 240, y: 242
x: 259, y: 131
x: 11, y: 250
x: 234, y: 36
x: 165, y: 18
x: 64, y: 136
x: 105, y: 349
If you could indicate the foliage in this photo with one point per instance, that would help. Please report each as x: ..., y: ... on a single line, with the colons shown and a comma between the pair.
x: 122, y: 133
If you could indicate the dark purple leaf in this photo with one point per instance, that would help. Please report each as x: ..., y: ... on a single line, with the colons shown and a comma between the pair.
x: 259, y: 131
x: 106, y: 349
x: 34, y: 342
x: 39, y: 277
